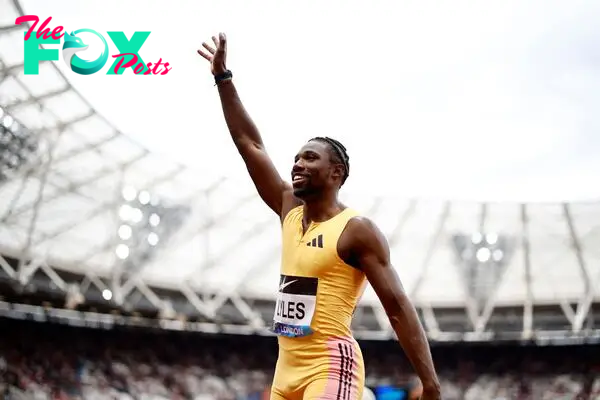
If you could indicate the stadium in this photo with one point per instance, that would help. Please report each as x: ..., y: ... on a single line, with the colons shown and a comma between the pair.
x: 127, y: 272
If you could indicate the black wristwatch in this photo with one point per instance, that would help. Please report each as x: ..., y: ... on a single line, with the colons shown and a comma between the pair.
x: 225, y: 76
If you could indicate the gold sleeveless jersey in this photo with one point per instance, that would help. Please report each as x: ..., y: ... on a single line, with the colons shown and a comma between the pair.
x: 318, y: 291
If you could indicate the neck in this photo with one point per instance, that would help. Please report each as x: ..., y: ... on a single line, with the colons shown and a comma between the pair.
x: 322, y: 208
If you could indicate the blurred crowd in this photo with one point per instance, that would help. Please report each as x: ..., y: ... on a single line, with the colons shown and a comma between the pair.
x: 46, y: 361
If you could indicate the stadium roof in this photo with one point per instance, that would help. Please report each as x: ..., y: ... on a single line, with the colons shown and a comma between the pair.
x: 63, y: 210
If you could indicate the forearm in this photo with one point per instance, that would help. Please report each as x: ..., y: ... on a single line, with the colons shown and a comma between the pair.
x: 413, y: 340
x: 238, y: 121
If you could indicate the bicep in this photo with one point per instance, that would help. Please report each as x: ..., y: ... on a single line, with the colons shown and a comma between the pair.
x: 387, y: 286
x: 268, y: 182
x: 386, y: 283
x: 374, y: 259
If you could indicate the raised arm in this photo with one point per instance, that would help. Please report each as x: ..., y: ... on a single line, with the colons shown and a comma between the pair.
x: 271, y: 187
x: 369, y: 251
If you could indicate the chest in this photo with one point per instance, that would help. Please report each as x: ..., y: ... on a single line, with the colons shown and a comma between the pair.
x: 310, y: 253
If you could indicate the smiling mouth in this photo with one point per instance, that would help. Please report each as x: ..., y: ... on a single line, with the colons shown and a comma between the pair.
x: 299, y: 179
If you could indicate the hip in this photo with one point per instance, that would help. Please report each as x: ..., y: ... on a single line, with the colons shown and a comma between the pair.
x: 332, y: 363
x: 314, y: 352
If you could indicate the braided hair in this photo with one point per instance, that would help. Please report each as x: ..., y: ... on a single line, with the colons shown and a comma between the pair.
x: 337, y: 153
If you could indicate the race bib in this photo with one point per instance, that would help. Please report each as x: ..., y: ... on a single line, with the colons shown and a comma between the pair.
x: 295, y: 306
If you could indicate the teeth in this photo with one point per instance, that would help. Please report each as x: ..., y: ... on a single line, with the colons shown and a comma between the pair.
x: 297, y: 178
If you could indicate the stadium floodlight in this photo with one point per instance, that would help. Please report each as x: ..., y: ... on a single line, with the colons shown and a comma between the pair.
x: 482, y: 258
x: 122, y: 251
x: 497, y: 255
x: 125, y: 212
x: 144, y: 197
x: 146, y: 225
x: 152, y: 239
x: 136, y: 215
x: 129, y: 193
x: 483, y: 254
x: 476, y: 238
x: 107, y: 294
x: 154, y: 219
x: 491, y: 238
x: 7, y: 121
x: 125, y: 232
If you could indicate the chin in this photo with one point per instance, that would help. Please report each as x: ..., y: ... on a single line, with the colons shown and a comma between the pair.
x: 299, y: 192
x: 303, y: 192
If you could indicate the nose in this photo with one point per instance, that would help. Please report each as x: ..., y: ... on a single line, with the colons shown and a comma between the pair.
x: 298, y: 166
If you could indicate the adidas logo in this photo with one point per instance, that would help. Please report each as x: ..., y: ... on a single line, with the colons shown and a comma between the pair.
x: 316, y: 242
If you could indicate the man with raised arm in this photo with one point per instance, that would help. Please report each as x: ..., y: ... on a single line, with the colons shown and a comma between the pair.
x: 329, y: 252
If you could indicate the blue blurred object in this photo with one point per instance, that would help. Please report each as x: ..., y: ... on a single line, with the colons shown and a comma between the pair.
x: 387, y: 392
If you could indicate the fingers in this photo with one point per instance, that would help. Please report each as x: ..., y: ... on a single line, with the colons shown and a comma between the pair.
x: 207, y: 56
x: 222, y: 41
x: 220, y: 45
x: 208, y: 47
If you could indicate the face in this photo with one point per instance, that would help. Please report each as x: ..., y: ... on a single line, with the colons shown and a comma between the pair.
x: 313, y: 171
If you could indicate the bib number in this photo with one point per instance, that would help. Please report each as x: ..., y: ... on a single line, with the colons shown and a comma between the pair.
x: 295, y: 306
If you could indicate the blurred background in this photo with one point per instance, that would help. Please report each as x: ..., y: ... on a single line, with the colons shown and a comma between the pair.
x: 137, y: 261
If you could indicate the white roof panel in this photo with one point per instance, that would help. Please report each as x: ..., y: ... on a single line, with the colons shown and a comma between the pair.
x: 66, y: 106
x: 69, y: 143
x: 103, y: 189
x: 54, y: 214
x: 83, y: 167
x: 11, y: 46
x: 8, y: 191
x: 33, y: 117
x: 9, y: 13
x: 95, y: 128
x: 11, y: 91
x: 48, y: 80
x: 513, y: 284
x: 12, y: 239
x: 120, y: 149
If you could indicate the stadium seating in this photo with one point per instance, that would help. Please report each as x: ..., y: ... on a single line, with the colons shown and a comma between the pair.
x: 47, y: 361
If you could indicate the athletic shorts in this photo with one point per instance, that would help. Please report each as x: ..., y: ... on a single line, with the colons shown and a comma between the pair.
x: 337, y: 373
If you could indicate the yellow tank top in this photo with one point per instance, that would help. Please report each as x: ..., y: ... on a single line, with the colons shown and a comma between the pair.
x: 318, y: 291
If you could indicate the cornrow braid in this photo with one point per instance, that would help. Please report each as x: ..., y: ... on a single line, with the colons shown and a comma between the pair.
x: 339, y: 151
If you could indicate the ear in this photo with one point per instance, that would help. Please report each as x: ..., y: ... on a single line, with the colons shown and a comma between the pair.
x: 338, y: 170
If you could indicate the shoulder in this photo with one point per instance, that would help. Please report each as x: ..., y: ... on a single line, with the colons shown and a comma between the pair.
x: 289, y: 203
x: 362, y: 235
x: 362, y: 228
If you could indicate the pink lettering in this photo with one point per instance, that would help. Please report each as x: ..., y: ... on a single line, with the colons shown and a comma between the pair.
x: 56, y: 32
x: 43, y: 30
x: 138, y: 68
x: 128, y: 64
x: 167, y: 69
x: 148, y: 71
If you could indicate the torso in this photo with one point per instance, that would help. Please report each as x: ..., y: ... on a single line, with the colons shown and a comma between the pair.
x: 318, y: 290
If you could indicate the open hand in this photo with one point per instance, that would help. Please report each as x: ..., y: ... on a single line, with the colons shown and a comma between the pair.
x: 216, y: 55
